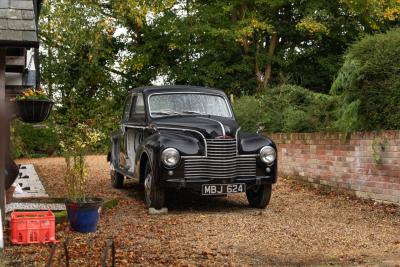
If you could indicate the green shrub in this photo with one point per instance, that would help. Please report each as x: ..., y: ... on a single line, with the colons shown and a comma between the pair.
x: 103, y: 117
x: 369, y: 85
x: 31, y: 141
x: 17, y: 147
x: 248, y: 111
x: 287, y: 108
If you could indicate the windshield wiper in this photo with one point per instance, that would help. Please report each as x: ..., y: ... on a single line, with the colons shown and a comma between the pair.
x: 193, y: 112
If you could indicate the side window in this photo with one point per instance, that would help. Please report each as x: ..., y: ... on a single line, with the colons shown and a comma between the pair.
x: 127, y: 108
x: 132, y: 110
x: 139, y: 108
x: 137, y: 113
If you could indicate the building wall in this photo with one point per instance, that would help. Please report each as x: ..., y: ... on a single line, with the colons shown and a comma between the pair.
x: 364, y: 163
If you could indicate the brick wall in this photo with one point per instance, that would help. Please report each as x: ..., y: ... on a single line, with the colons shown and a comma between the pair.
x: 364, y: 163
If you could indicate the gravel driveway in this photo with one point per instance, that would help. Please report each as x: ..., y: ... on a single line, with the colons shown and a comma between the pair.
x: 300, y: 227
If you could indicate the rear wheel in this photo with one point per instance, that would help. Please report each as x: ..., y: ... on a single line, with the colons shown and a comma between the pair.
x: 259, y: 196
x: 154, y: 194
x: 117, y: 179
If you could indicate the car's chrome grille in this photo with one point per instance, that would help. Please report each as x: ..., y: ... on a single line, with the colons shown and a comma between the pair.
x: 222, y: 162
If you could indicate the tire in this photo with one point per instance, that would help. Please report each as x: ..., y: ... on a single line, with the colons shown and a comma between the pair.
x: 117, y: 179
x: 259, y: 196
x: 154, y: 195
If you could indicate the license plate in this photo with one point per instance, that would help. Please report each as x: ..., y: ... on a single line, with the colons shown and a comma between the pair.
x: 222, y: 189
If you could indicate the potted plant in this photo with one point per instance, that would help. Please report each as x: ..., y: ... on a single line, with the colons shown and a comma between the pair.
x: 34, y: 105
x: 83, y: 212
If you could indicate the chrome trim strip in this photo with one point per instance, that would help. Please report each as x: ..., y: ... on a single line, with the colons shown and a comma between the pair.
x: 193, y: 157
x: 220, y: 124
x: 237, y: 140
x: 216, y: 168
x: 216, y: 161
x: 219, y: 177
x: 227, y: 154
x: 221, y: 149
x: 201, y: 180
x: 189, y: 130
x: 222, y: 160
x: 233, y: 172
x: 135, y: 127
x: 220, y: 168
x: 199, y: 93
x: 222, y: 142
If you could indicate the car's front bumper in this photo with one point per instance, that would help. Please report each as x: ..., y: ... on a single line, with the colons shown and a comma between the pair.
x: 196, y: 184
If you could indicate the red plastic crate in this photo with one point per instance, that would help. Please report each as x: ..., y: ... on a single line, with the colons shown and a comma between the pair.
x: 32, y: 227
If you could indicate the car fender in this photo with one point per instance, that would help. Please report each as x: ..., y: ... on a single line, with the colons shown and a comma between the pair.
x: 151, y: 147
x: 250, y: 143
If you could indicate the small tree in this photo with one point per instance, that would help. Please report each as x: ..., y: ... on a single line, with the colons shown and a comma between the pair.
x: 76, y: 143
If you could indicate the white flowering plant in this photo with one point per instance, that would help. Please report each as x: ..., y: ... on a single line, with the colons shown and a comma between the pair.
x: 76, y: 143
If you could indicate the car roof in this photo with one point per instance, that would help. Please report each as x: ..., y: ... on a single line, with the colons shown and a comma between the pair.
x: 176, y: 88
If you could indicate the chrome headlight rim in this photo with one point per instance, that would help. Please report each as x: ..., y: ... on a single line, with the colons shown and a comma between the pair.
x: 268, y: 155
x: 170, y: 157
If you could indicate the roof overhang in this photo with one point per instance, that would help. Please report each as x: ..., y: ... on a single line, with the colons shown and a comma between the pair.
x: 18, y: 23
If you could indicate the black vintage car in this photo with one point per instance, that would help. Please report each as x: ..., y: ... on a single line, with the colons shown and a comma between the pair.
x: 186, y: 137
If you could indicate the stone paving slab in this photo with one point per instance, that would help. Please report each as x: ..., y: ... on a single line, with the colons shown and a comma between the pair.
x: 26, y: 201
x: 33, y: 182
x: 34, y: 206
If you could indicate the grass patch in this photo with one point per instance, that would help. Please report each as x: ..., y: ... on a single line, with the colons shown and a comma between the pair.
x: 61, y: 216
x: 110, y: 203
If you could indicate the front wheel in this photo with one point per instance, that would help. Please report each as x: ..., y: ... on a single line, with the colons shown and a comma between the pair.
x: 154, y: 194
x: 117, y: 179
x: 259, y: 196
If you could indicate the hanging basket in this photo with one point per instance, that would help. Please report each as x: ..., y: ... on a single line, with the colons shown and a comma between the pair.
x: 34, y: 110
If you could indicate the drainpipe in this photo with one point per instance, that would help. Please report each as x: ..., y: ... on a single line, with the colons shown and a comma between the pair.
x: 3, y: 131
x: 37, y: 6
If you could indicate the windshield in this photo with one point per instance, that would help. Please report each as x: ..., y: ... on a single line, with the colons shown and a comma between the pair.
x: 188, y: 104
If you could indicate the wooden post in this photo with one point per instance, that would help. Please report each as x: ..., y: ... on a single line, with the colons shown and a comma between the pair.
x: 232, y: 98
x: 3, y: 131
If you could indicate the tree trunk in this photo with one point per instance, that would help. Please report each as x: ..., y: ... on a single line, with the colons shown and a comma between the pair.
x: 271, y: 51
x: 257, y: 66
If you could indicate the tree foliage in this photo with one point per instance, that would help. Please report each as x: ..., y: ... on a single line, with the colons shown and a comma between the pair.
x: 93, y: 52
x: 238, y: 46
x: 287, y: 108
x: 369, y: 83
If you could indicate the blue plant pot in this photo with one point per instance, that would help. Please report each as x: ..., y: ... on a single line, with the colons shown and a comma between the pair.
x: 84, y: 216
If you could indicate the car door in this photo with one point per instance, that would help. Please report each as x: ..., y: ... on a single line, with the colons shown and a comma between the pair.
x: 134, y: 130
x: 123, y: 156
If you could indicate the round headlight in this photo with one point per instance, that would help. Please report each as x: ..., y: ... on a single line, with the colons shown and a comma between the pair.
x: 268, y: 155
x: 170, y: 157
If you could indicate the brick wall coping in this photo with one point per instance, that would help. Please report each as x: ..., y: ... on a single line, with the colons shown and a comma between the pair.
x: 390, y: 134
